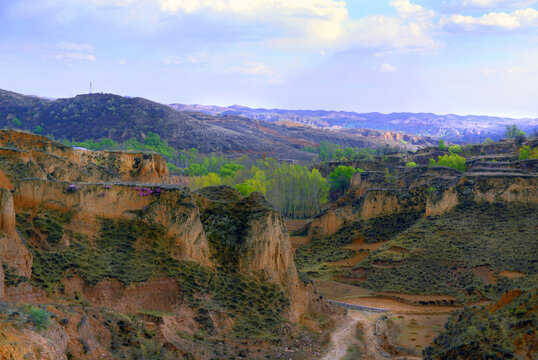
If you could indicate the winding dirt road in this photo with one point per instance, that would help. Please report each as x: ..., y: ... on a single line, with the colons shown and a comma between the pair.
x: 341, y: 338
x: 345, y: 335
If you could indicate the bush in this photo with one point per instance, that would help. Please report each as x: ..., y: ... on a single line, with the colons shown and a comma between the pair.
x: 40, y: 317
x: 525, y: 152
x: 453, y: 161
x: 172, y: 168
x: 455, y: 149
x: 442, y: 145
x: 411, y: 164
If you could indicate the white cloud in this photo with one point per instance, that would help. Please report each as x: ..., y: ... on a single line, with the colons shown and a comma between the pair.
x: 195, y: 58
x: 172, y: 60
x: 74, y: 56
x: 498, y: 3
x: 388, y: 68
x: 507, y: 21
x: 75, y: 46
x: 311, y: 25
x: 251, y: 68
x: 412, y: 11
x: 506, y: 70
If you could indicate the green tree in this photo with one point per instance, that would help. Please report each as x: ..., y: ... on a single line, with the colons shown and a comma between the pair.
x: 230, y: 169
x: 16, y: 122
x: 442, y: 145
x: 455, y: 149
x: 432, y: 162
x: 512, y: 131
x: 453, y: 161
x: 488, y: 141
x: 411, y: 164
x: 341, y: 177
x: 389, y: 178
x: 196, y: 170
x: 38, y: 129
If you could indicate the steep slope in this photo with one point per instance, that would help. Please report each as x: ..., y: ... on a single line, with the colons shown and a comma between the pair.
x: 504, y: 330
x: 469, y: 128
x: 432, y: 230
x: 96, y: 250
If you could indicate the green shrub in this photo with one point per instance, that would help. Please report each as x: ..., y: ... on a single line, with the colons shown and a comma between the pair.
x: 40, y: 317
x: 172, y: 168
x: 411, y: 164
x: 453, y: 161
x: 432, y: 162
x: 38, y: 129
x: 16, y: 122
x: 525, y: 153
x: 442, y: 145
x: 455, y: 149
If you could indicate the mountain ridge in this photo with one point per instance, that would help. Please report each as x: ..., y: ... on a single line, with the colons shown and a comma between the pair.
x: 98, y: 116
x: 453, y: 127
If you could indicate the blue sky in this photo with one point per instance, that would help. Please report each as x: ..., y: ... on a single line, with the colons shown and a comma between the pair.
x: 453, y: 56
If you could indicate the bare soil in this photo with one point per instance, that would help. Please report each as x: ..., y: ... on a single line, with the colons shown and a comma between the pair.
x: 512, y: 274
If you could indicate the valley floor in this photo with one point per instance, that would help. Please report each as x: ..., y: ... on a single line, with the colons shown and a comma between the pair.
x: 403, y: 332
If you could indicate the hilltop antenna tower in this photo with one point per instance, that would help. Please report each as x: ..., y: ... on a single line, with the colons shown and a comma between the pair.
x: 90, y: 87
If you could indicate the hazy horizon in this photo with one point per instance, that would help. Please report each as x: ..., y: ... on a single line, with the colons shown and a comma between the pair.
x: 462, y: 57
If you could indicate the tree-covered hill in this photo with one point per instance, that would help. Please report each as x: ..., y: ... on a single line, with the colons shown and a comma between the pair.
x: 99, y: 116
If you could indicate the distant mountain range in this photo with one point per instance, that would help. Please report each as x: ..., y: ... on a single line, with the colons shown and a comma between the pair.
x: 455, y: 128
x: 99, y: 116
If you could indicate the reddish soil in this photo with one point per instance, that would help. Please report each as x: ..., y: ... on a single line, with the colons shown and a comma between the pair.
x: 297, y: 241
x: 359, y: 244
x: 415, y: 332
x: 512, y: 274
x: 360, y: 256
x: 294, y: 225
x: 486, y: 274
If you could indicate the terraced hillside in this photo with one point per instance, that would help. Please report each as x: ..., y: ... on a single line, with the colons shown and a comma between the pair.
x: 433, y: 230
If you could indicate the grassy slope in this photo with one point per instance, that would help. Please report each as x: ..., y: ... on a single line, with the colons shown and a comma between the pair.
x: 496, y: 332
x: 437, y: 255
x: 134, y: 251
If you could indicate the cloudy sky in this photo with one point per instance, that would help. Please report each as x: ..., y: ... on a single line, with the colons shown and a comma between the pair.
x: 453, y: 56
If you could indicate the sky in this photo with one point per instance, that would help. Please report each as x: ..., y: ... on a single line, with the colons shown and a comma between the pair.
x: 453, y: 56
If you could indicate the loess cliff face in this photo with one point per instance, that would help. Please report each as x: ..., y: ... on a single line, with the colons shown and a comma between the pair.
x: 211, y: 266
x: 25, y: 155
x: 13, y: 252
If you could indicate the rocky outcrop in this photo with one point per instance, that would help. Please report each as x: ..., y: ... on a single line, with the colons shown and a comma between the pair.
x: 23, y: 344
x: 174, y: 208
x: 2, y: 282
x: 256, y: 235
x: 13, y: 252
x: 26, y: 155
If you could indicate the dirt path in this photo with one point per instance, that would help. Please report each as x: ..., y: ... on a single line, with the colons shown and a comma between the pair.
x: 345, y: 335
x: 341, y: 338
